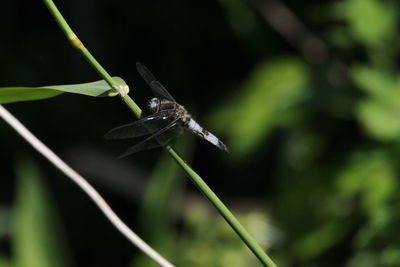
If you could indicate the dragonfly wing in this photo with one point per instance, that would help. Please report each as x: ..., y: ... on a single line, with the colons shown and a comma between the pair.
x: 154, y: 141
x: 160, y: 92
x: 158, y: 89
x: 144, y: 126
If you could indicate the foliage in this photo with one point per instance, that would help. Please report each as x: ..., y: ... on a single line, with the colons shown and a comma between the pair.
x: 218, y: 247
x: 316, y: 146
x: 17, y: 94
x: 275, y: 87
x: 36, y: 235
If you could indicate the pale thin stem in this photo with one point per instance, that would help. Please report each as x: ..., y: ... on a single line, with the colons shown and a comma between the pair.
x: 84, y: 185
x: 287, y: 24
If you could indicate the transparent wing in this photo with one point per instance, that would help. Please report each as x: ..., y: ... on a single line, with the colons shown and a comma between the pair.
x: 158, y: 90
x: 144, y: 126
x: 161, y: 138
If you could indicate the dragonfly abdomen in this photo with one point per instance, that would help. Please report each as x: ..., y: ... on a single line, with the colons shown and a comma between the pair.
x: 203, y: 133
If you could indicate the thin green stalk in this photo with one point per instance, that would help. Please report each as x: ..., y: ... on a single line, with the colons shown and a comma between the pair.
x: 196, y: 179
x: 223, y: 210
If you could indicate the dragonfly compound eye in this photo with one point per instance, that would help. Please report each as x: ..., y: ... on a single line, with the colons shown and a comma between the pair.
x: 153, y: 104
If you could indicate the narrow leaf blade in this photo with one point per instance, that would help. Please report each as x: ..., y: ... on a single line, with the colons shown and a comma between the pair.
x: 97, y: 89
x: 37, y: 233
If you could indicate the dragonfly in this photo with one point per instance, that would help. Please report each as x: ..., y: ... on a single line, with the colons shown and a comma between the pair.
x: 167, y: 120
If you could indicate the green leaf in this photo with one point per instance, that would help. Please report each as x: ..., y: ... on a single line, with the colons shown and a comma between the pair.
x: 372, y: 22
x: 240, y: 16
x: 37, y: 239
x: 4, y: 262
x: 377, y: 82
x: 365, y: 258
x: 379, y: 112
x: 18, y: 94
x: 4, y: 221
x: 381, y: 121
x: 318, y: 241
x: 391, y: 255
x: 370, y: 179
x: 369, y: 175
x: 269, y: 98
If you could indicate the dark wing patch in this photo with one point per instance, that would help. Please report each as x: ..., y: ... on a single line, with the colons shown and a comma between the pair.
x: 161, y: 138
x: 144, y: 126
x: 158, y: 89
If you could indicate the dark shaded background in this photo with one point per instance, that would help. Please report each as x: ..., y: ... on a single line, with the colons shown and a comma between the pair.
x: 305, y: 94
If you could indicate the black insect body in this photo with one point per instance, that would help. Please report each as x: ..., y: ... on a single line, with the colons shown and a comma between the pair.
x: 167, y: 121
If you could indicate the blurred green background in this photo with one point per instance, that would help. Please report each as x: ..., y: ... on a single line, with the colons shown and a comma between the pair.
x: 306, y: 94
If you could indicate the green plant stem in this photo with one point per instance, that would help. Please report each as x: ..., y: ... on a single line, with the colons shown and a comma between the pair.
x: 223, y: 210
x: 196, y: 179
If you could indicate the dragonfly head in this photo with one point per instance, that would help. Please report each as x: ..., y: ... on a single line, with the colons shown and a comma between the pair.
x: 154, y: 104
